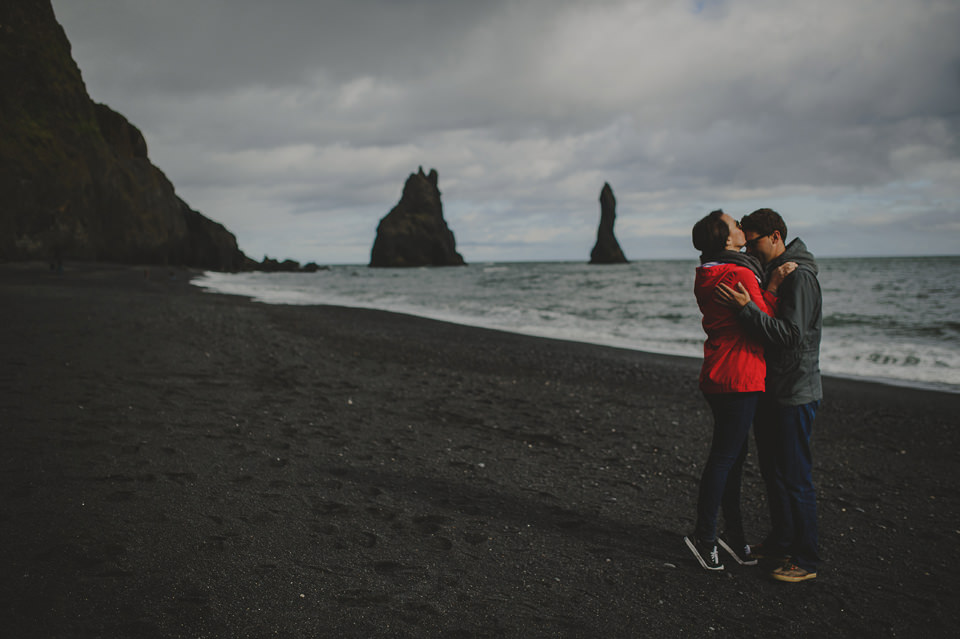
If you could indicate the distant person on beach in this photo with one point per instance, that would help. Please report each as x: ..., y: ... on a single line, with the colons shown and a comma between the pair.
x: 785, y: 413
x: 732, y: 379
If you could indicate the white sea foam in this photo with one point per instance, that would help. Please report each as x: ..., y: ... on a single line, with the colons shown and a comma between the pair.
x: 891, y: 320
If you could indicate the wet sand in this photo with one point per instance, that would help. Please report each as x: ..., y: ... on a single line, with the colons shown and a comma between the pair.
x: 182, y: 464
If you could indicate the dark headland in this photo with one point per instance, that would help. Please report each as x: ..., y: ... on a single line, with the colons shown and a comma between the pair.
x: 183, y: 464
x: 76, y: 181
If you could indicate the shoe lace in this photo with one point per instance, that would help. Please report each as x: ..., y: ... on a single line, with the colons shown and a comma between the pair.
x: 715, y: 555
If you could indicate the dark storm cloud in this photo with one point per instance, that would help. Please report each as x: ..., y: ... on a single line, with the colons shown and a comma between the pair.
x: 304, y: 112
x: 212, y: 46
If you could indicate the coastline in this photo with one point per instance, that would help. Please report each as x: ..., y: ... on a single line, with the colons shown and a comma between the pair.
x: 563, y: 300
x: 179, y: 463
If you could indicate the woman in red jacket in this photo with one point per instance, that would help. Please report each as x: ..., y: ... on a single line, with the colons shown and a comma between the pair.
x: 731, y: 379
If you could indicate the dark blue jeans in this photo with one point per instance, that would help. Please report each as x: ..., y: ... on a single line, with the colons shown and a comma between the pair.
x: 733, y: 413
x: 783, y: 451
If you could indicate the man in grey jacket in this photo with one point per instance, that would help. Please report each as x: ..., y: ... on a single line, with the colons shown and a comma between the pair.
x: 784, y: 420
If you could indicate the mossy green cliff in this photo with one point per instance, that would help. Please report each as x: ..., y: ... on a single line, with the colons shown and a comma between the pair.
x: 75, y: 179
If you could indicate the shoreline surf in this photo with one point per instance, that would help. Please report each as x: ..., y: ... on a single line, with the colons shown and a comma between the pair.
x: 286, y: 297
x: 178, y: 463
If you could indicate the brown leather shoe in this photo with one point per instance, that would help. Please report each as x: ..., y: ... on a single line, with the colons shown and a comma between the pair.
x: 792, y: 573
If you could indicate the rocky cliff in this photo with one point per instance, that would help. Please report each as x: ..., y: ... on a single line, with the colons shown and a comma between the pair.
x: 414, y: 232
x: 607, y: 249
x: 75, y: 180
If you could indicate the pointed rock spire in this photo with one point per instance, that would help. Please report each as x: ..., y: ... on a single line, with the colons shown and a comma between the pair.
x: 607, y: 249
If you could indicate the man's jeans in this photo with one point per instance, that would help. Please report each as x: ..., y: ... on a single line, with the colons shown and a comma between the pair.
x: 720, y: 482
x: 783, y: 450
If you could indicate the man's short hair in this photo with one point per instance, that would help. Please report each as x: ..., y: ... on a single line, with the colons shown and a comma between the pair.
x: 710, y: 234
x: 764, y: 222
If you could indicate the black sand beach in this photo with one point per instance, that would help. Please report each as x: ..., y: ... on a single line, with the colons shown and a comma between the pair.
x: 182, y: 464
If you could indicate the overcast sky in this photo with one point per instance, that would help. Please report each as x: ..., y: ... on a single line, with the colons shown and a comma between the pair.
x: 295, y: 123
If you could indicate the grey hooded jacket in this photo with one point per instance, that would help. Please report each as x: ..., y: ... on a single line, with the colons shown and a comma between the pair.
x: 792, y: 338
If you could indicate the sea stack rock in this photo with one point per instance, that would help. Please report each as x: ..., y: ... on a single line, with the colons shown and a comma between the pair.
x: 414, y: 233
x: 607, y: 249
x: 75, y: 180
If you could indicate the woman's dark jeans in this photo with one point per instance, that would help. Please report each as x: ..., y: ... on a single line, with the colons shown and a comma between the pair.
x: 720, y: 483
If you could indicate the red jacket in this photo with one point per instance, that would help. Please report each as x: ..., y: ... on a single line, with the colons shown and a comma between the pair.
x: 732, y: 361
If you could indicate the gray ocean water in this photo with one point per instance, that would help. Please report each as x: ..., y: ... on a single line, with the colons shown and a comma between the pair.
x: 893, y: 320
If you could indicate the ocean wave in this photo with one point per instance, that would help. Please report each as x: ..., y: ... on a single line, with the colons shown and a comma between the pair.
x: 912, y: 336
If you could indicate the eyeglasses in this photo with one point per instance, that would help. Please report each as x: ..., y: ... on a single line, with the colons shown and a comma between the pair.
x: 752, y: 243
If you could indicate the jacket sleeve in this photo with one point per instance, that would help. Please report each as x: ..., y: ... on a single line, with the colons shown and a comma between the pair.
x: 796, y: 305
x: 760, y: 298
x: 771, y: 300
